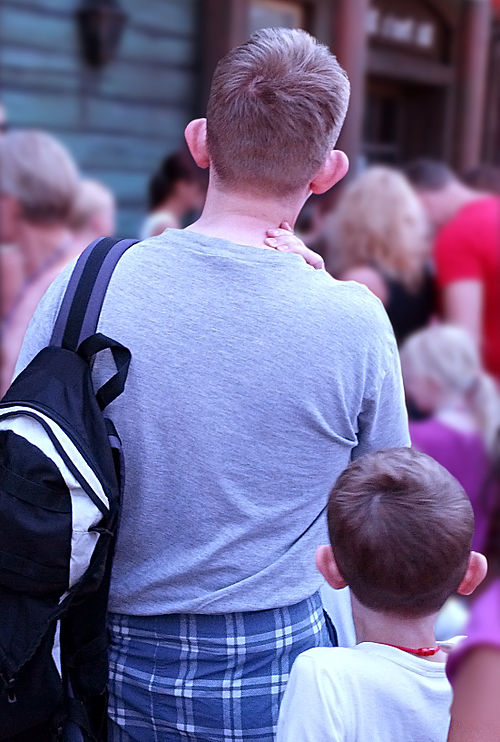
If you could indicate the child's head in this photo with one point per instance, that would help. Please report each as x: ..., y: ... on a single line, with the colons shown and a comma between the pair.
x: 441, y: 368
x: 276, y: 107
x: 400, y: 530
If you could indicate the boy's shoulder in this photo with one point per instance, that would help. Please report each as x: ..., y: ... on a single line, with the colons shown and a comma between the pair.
x: 365, y: 660
x: 334, y: 662
x: 368, y: 692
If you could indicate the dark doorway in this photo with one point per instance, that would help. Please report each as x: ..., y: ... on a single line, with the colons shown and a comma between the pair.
x: 404, y: 120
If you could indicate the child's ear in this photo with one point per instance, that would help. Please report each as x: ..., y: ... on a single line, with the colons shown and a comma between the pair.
x: 195, y: 134
x: 333, y: 169
x: 325, y: 562
x: 476, y: 572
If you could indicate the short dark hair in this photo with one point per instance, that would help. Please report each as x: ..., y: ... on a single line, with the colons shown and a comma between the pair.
x: 429, y: 175
x: 276, y: 107
x: 401, y: 529
x: 174, y: 168
x: 483, y: 178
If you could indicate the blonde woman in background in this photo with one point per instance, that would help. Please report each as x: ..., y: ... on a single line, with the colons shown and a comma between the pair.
x: 444, y: 378
x: 379, y: 235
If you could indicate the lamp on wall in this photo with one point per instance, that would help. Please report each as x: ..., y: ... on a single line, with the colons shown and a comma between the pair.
x: 100, y: 26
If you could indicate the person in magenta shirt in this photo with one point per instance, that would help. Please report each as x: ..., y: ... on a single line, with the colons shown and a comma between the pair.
x: 445, y: 380
x: 466, y: 252
x: 474, y: 667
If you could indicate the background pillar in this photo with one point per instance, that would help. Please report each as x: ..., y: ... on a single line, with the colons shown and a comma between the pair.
x: 351, y: 43
x: 474, y: 53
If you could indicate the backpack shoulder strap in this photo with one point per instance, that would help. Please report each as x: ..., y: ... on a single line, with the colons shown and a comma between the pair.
x: 84, y: 297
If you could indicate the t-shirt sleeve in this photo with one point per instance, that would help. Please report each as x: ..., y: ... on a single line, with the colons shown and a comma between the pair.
x: 42, y: 323
x: 383, y: 419
x: 456, y: 253
x: 310, y: 708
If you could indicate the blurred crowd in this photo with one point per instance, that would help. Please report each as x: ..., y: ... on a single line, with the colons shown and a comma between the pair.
x: 425, y: 241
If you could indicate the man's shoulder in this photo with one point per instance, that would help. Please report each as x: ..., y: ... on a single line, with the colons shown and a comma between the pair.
x: 468, y: 222
x: 354, y: 309
x: 351, y: 297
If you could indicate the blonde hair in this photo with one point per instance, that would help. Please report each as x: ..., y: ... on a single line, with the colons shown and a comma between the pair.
x: 447, y: 355
x: 276, y: 107
x: 37, y: 171
x: 380, y: 222
x: 91, y: 197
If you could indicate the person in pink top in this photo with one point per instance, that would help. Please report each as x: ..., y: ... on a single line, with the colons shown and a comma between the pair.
x: 444, y: 378
x: 474, y: 667
x: 474, y: 672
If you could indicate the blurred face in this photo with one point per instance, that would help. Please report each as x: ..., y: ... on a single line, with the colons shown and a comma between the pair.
x: 437, y: 206
x: 421, y: 390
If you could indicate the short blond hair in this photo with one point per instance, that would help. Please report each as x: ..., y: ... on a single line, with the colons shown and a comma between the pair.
x: 380, y: 222
x: 277, y: 104
x: 37, y: 171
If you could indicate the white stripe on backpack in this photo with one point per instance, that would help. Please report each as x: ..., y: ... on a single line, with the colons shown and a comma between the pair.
x: 85, y: 514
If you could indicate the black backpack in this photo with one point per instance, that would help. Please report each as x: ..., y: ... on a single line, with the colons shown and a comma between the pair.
x: 61, y: 479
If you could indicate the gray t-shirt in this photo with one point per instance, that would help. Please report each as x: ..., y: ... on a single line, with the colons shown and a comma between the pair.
x: 254, y: 380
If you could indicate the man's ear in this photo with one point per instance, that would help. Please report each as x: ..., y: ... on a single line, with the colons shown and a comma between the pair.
x: 333, y: 169
x: 195, y: 134
x: 325, y: 562
x: 476, y: 572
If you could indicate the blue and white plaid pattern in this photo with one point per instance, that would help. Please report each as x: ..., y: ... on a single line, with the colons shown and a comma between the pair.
x: 198, y: 677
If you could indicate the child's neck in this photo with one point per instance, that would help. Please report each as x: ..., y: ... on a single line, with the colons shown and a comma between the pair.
x: 391, y: 629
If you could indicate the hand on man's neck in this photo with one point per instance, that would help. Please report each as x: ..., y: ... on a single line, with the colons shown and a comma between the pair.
x: 389, y: 628
x: 244, y: 218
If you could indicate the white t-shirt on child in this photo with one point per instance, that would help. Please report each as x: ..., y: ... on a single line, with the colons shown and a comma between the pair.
x: 368, y: 693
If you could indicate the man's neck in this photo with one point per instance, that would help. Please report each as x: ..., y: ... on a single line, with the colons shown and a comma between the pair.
x: 461, y: 196
x: 389, y: 628
x: 244, y: 218
x: 37, y: 244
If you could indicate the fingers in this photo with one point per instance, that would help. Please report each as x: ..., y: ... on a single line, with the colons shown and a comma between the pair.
x: 281, y: 232
x: 282, y: 240
x: 285, y: 241
x: 314, y: 259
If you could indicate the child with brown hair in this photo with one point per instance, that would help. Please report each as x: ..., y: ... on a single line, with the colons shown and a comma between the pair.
x: 401, y: 529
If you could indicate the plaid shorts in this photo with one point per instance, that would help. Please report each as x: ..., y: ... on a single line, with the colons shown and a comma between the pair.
x: 205, y: 678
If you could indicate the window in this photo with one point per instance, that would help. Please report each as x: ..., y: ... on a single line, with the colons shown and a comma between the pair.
x: 266, y: 13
